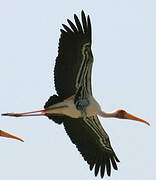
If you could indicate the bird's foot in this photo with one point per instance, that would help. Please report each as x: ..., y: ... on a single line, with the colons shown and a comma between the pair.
x: 12, y: 114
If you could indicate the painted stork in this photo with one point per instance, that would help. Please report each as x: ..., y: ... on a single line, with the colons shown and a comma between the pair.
x: 74, y: 105
x: 7, y: 135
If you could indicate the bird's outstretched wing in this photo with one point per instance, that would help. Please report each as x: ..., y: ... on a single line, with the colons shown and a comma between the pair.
x: 90, y: 138
x: 93, y: 143
x: 74, y: 61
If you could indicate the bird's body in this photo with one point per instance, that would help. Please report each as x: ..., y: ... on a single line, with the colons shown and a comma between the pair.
x: 69, y: 108
x: 74, y: 105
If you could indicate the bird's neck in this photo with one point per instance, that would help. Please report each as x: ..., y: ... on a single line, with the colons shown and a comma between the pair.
x: 107, y: 114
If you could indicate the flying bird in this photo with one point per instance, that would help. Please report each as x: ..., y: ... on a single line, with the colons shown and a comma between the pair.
x: 7, y: 135
x: 74, y: 105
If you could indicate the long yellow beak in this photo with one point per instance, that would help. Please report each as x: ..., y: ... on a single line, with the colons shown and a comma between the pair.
x: 7, y: 135
x: 132, y: 117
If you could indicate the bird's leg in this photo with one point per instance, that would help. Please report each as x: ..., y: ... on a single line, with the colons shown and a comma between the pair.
x: 43, y: 112
x: 32, y: 113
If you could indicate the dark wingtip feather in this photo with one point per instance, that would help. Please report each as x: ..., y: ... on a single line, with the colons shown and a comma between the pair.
x: 67, y: 28
x: 97, y: 169
x: 82, y: 12
x: 116, y: 158
x: 62, y: 31
x: 84, y: 22
x: 102, y: 172
x: 108, y: 167
x: 78, y: 23
x: 91, y: 166
x: 89, y: 26
x: 72, y: 26
x: 114, y: 163
x: 89, y: 22
x: 97, y: 165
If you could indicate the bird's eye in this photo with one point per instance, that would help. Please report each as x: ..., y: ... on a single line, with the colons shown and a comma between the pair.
x: 121, y: 113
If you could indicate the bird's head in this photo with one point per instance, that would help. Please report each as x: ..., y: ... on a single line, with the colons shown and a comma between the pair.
x: 122, y: 114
